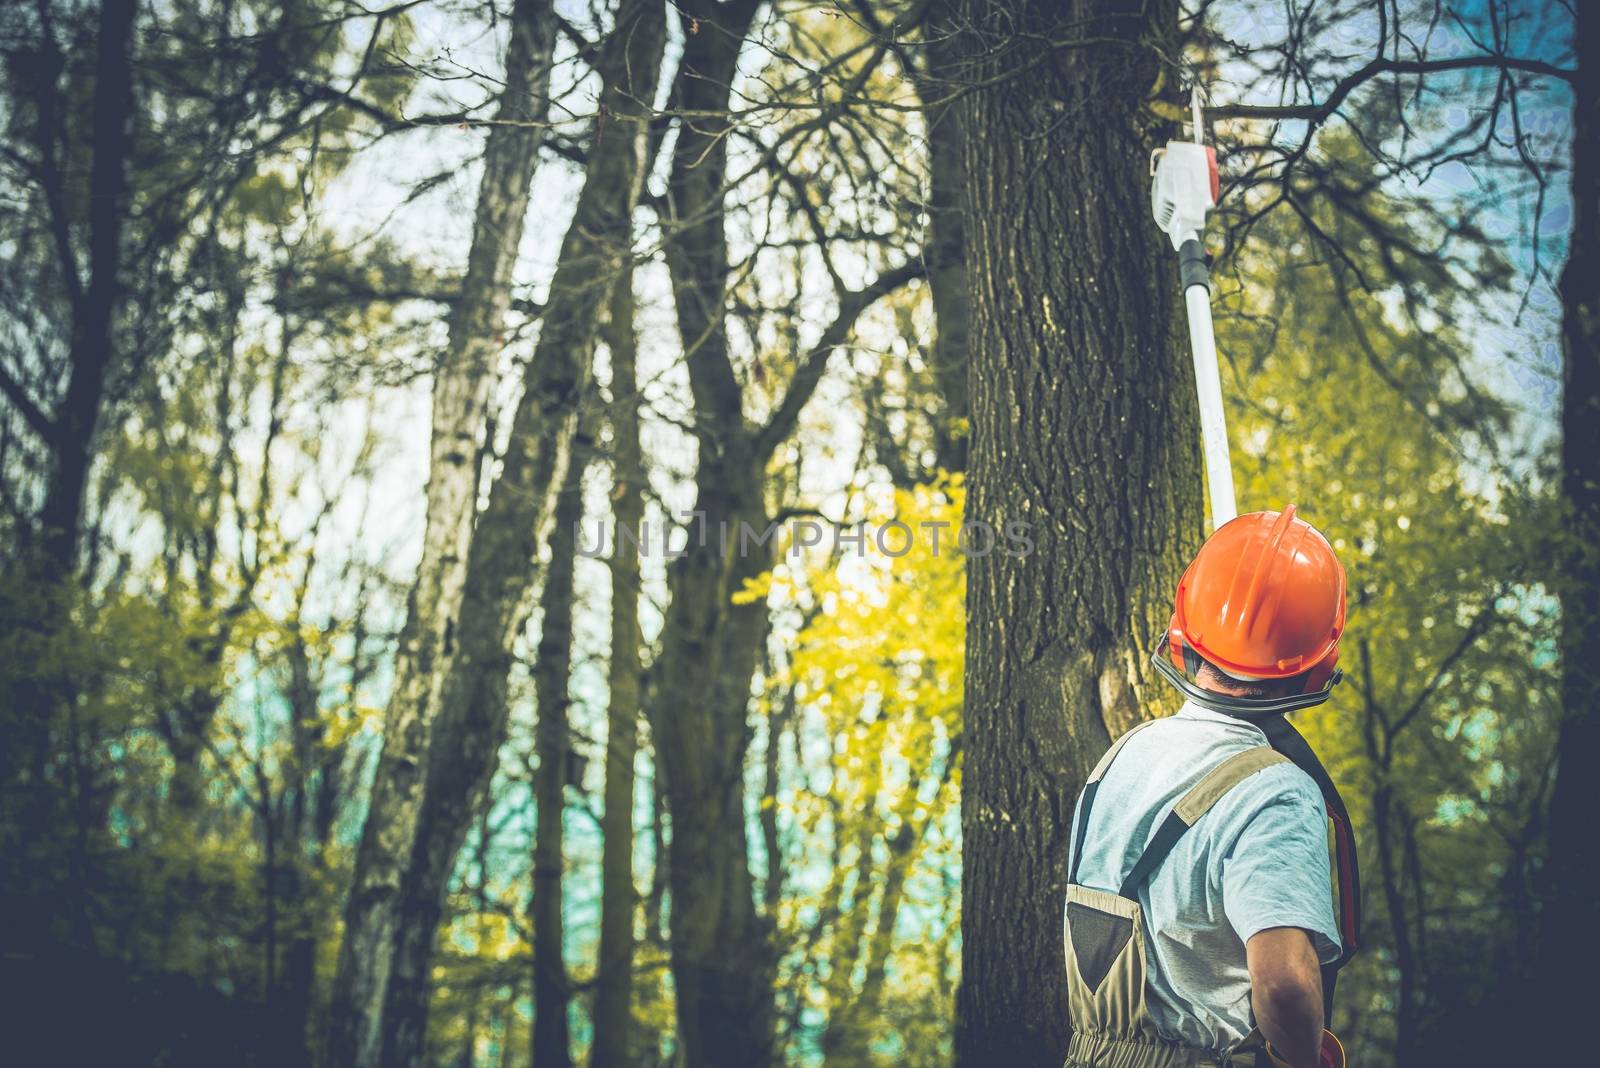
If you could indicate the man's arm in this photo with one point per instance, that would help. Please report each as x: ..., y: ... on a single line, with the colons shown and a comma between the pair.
x: 1286, y: 993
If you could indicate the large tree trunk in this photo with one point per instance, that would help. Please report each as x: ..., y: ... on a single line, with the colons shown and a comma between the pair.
x: 613, y: 995
x: 1571, y: 924
x: 1085, y: 430
x: 461, y: 390
x: 471, y: 721
x: 551, y: 1046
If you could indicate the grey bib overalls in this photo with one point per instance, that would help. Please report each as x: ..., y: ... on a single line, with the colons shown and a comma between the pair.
x: 1105, y: 940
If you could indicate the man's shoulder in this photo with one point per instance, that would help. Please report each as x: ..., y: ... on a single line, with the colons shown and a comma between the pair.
x: 1206, y: 739
x: 1282, y: 788
x: 1203, y: 731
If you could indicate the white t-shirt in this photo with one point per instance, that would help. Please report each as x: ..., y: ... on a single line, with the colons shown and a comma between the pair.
x: 1258, y: 859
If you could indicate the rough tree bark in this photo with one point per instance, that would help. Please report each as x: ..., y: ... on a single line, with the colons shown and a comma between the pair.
x: 551, y: 1044
x: 461, y: 390
x: 1084, y: 430
x: 613, y: 995
x: 500, y: 573
x: 1571, y: 924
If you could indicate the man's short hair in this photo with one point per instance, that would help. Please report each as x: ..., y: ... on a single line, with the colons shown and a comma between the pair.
x: 1237, y: 687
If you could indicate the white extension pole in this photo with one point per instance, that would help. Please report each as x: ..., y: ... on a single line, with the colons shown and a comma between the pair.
x: 1183, y: 192
x: 1213, y: 426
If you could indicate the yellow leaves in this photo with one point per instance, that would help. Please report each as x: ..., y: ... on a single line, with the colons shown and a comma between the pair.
x: 777, y: 583
x: 880, y: 664
x: 754, y: 589
x: 339, y: 726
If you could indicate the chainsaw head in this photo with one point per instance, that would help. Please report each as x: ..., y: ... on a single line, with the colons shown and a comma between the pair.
x: 1183, y: 189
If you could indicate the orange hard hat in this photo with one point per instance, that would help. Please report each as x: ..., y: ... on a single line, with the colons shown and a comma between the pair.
x: 1263, y: 599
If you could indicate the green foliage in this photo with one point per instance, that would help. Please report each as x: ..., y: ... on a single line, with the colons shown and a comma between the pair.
x: 183, y: 783
x: 1442, y: 733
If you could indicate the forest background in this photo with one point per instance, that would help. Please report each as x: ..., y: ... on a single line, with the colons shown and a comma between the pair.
x: 338, y: 343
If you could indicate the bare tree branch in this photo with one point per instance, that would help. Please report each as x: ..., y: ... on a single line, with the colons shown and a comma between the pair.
x: 809, y: 373
x: 35, y: 416
x: 1317, y: 112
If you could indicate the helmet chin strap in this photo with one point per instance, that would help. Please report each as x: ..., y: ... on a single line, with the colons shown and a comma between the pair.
x: 1243, y: 707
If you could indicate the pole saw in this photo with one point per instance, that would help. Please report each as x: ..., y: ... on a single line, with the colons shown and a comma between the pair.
x: 1183, y: 191
x: 1184, y: 188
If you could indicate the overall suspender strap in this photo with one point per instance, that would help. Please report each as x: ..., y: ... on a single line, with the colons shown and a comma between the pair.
x: 1194, y: 804
x: 1185, y: 814
x: 1101, y: 768
x: 1089, y: 789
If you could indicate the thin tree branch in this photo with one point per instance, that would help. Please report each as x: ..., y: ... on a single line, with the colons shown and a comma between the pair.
x: 1318, y: 112
x: 813, y: 364
x: 35, y: 416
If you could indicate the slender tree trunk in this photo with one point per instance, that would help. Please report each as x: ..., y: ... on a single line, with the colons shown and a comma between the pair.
x: 946, y: 253
x: 778, y: 721
x: 722, y: 962
x: 77, y: 417
x: 903, y: 850
x: 1570, y: 939
x: 841, y: 1039
x: 722, y: 965
x: 462, y: 386
x: 38, y: 710
x: 307, y: 833
x: 500, y: 575
x: 660, y: 859
x: 850, y: 917
x: 551, y: 1046
x: 1405, y: 1022
x: 1085, y: 432
x: 468, y: 1055
x: 613, y: 1002
x: 1379, y: 744
x: 852, y: 1019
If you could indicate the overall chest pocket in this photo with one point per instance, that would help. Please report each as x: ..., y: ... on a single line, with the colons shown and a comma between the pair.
x: 1106, y: 966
